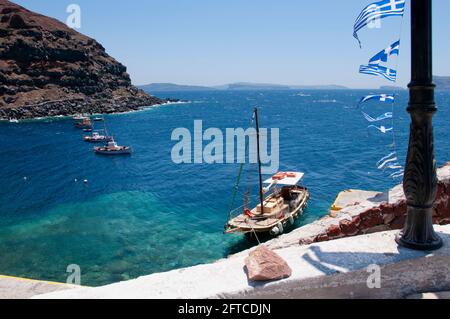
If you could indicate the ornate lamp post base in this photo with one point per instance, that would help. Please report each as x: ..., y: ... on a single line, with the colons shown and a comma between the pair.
x: 420, y: 181
x: 419, y: 233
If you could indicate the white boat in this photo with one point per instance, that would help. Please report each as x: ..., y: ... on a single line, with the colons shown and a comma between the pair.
x: 79, y: 117
x: 97, y: 138
x: 13, y: 121
x: 111, y: 148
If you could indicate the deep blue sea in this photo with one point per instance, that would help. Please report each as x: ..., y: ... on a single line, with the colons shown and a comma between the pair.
x: 143, y: 214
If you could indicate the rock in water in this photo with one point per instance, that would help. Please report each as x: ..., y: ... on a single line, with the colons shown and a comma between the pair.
x: 48, y: 69
x: 264, y: 265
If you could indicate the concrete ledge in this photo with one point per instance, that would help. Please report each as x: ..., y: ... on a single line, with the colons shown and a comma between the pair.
x: 333, y: 269
x: 20, y: 288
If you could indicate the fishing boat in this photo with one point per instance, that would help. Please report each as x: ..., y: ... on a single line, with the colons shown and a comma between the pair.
x: 97, y: 138
x: 281, y: 201
x: 78, y: 117
x: 85, y: 123
x: 98, y: 119
x: 111, y: 148
x: 13, y: 121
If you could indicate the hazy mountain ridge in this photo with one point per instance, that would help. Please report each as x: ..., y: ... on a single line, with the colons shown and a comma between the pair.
x: 241, y: 86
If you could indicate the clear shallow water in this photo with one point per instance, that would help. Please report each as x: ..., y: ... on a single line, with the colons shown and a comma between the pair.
x: 144, y: 214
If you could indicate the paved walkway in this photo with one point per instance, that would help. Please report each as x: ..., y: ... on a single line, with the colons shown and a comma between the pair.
x: 19, y: 288
x: 334, y: 269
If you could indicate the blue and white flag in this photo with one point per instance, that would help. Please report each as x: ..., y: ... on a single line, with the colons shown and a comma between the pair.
x: 376, y: 11
x: 393, y: 49
x: 389, y: 159
x: 378, y: 70
x: 398, y: 174
x: 383, y: 117
x: 385, y: 98
x: 382, y: 129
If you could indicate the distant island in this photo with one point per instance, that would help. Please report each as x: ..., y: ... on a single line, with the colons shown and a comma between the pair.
x: 48, y: 69
x: 241, y: 86
x: 392, y: 88
x: 442, y: 82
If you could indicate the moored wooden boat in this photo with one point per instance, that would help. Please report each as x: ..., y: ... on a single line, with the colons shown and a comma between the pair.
x: 280, y: 209
x: 277, y: 209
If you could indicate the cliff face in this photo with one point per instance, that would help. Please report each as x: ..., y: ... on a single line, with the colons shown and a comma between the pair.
x: 48, y: 69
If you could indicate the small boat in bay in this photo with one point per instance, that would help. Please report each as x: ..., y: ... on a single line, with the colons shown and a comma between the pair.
x: 13, y: 121
x: 98, y: 119
x: 281, y: 201
x: 96, y: 137
x: 85, y: 123
x: 79, y: 117
x: 111, y: 148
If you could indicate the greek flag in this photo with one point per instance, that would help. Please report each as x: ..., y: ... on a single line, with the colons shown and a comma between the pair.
x: 398, y: 174
x: 385, y: 98
x: 378, y: 70
x: 382, y: 129
x: 382, y: 117
x: 376, y: 11
x: 390, y: 159
x: 393, y: 49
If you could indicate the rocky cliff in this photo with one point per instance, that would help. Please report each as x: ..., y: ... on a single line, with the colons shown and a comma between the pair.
x: 48, y: 69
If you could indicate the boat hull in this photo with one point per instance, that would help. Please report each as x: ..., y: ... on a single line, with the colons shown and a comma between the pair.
x: 112, y: 153
x: 93, y: 141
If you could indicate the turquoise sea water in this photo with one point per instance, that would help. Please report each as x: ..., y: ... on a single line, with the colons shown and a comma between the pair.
x: 144, y: 214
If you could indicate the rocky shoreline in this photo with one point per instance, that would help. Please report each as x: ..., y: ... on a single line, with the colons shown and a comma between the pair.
x: 71, y: 107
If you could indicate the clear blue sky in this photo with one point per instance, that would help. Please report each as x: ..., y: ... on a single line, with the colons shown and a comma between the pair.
x: 211, y: 42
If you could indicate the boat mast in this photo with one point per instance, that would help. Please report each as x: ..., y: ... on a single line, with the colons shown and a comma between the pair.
x: 261, y: 193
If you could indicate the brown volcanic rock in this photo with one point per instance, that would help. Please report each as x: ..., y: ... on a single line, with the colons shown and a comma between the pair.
x: 48, y: 69
x: 264, y: 265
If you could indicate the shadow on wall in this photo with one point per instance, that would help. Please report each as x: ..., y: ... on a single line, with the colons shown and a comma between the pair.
x: 331, y: 263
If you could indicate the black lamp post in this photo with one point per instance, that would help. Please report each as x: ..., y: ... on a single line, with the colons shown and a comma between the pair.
x: 420, y: 181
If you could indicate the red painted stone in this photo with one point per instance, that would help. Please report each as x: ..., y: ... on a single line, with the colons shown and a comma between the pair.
x: 356, y: 220
x: 398, y: 222
x: 387, y: 209
x: 442, y: 207
x: 321, y: 238
x: 334, y: 231
x: 371, y: 218
x: 348, y: 228
x: 400, y: 209
x: 388, y: 219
